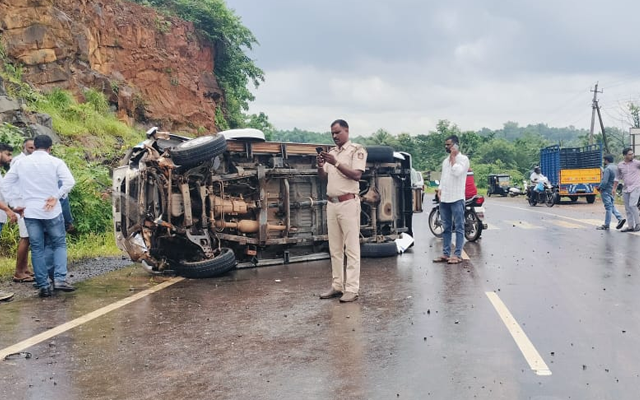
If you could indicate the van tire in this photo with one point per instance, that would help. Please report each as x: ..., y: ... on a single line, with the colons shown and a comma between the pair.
x: 195, y: 151
x: 220, y: 265
x: 380, y: 154
x: 378, y: 250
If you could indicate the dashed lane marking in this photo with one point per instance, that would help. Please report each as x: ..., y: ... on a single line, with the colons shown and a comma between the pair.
x: 527, y: 349
x: 32, y: 341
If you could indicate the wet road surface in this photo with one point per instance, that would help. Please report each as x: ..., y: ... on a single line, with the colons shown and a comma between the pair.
x: 419, y: 330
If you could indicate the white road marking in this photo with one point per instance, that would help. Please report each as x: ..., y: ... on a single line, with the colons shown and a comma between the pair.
x: 32, y: 341
x: 529, y: 352
x: 585, y: 221
x: 465, y: 256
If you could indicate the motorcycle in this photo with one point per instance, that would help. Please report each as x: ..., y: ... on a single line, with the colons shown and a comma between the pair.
x: 542, y: 192
x: 473, y: 219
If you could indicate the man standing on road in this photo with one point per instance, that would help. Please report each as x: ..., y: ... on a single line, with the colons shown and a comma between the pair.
x: 35, y: 179
x: 28, y: 148
x: 451, y: 194
x: 342, y: 168
x: 606, y: 192
x: 5, y: 212
x: 629, y: 174
x: 22, y: 273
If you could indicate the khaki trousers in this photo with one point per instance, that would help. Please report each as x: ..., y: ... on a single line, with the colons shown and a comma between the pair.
x: 343, y: 223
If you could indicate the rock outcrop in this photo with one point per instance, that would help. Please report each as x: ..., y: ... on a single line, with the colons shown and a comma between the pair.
x: 153, y: 69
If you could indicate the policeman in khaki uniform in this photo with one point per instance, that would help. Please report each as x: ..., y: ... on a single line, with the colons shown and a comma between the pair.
x: 342, y: 168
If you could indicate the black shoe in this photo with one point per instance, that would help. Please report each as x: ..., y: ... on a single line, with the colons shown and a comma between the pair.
x: 637, y: 228
x: 603, y: 228
x: 63, y: 285
x: 44, y: 291
x: 331, y: 294
x: 621, y: 223
x: 627, y: 230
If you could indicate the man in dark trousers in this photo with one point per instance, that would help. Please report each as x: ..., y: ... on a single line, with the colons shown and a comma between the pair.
x: 606, y: 192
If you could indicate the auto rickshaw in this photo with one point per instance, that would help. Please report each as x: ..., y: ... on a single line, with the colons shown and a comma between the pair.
x: 499, y: 184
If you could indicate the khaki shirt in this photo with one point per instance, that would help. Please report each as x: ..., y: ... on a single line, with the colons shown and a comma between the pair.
x: 351, y: 155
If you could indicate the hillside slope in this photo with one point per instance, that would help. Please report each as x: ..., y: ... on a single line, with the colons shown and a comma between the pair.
x: 152, y: 68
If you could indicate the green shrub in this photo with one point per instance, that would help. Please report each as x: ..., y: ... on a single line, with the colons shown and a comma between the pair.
x: 97, y: 100
x: 11, y: 135
x: 89, y: 200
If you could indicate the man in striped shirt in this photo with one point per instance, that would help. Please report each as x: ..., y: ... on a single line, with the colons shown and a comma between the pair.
x: 629, y: 174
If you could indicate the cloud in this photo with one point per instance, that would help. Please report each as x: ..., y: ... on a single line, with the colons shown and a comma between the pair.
x: 406, y: 64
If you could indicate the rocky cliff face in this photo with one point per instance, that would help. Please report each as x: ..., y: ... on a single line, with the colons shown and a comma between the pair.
x: 153, y: 69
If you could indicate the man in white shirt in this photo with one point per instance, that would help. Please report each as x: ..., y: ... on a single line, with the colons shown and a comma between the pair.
x: 22, y: 273
x: 27, y: 148
x: 34, y: 181
x: 536, y: 176
x: 451, y: 194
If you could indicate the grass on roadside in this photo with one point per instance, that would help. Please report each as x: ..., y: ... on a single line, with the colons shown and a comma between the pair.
x: 78, y: 248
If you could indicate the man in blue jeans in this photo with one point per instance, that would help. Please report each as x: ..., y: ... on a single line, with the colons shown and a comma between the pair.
x: 451, y: 193
x: 606, y: 192
x: 34, y: 181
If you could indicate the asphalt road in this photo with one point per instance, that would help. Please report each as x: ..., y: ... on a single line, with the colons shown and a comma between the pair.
x: 545, y: 308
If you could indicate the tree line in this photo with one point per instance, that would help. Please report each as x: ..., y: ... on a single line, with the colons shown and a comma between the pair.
x: 512, y: 150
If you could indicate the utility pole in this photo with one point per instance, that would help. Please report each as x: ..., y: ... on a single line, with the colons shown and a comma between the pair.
x: 604, y: 135
x: 594, y: 106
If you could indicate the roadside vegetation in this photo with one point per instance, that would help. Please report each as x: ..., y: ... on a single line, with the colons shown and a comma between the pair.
x: 92, y: 140
x: 512, y: 150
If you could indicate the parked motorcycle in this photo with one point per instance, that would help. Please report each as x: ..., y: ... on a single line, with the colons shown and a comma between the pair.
x: 473, y: 219
x: 515, y: 191
x: 542, y: 192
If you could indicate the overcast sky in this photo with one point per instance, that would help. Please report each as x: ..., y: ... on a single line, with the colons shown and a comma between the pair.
x: 403, y: 65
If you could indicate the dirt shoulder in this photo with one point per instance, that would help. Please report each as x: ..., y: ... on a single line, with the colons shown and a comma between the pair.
x: 77, y: 272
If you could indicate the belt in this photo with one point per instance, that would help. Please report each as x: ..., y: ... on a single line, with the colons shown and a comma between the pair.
x: 342, y: 198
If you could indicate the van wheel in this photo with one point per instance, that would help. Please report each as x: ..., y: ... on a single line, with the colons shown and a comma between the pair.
x: 381, y: 154
x: 378, y: 250
x: 591, y: 198
x: 216, y: 266
x: 197, y: 150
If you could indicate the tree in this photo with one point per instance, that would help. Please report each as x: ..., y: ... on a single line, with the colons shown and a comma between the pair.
x: 498, y: 151
x: 383, y: 138
x: 233, y: 68
x: 261, y: 122
x: 634, y: 111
